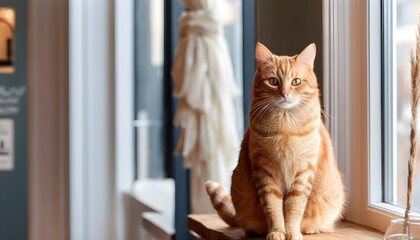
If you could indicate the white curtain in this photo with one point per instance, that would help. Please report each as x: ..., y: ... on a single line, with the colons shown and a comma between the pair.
x: 205, y: 85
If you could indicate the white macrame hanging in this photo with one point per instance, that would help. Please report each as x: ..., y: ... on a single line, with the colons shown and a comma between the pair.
x: 204, y: 82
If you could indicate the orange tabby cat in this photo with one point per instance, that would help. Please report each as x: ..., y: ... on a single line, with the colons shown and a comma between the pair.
x: 286, y: 181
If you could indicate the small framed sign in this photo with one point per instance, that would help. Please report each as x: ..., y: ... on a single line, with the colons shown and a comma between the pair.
x: 7, y: 137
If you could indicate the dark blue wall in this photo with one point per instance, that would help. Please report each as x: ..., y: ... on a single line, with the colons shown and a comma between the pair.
x: 13, y: 184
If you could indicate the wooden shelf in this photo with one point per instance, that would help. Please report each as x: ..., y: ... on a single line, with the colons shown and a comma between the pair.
x: 211, y: 226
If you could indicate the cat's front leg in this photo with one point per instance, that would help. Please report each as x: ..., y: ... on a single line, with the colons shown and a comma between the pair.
x: 295, y: 203
x: 271, y: 200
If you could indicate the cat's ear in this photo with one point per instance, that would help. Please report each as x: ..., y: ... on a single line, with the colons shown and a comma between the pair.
x: 307, y: 56
x: 262, y: 54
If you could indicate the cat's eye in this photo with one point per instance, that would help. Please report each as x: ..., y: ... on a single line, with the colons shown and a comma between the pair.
x: 273, y: 82
x: 296, y: 82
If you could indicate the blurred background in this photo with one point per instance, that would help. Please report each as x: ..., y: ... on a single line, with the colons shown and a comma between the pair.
x: 87, y: 103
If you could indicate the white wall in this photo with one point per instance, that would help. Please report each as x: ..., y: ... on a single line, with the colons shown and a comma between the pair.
x: 92, y: 138
x: 101, y: 104
x: 48, y: 106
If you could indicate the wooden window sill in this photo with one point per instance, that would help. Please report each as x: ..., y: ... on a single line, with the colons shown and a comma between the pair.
x: 211, y: 226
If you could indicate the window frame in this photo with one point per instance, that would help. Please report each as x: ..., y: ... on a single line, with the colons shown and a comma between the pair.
x: 353, y: 60
x: 390, y: 99
x: 388, y: 9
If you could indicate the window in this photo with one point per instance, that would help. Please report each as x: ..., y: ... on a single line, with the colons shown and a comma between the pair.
x: 233, y: 33
x: 149, y: 89
x: 399, y: 39
x: 360, y: 92
x: 156, y: 28
x: 152, y: 121
x: 352, y: 96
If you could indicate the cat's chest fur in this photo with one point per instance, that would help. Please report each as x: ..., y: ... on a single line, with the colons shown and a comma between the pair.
x: 285, y: 154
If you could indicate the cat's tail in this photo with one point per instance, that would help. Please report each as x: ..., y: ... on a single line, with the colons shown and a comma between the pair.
x: 222, y: 202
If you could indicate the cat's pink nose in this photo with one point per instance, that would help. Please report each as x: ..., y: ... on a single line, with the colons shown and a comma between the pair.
x: 285, y: 94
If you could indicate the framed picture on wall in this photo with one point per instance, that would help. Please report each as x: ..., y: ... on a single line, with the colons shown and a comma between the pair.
x: 7, y: 37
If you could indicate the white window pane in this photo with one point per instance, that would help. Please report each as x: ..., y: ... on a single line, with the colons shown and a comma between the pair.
x: 232, y: 20
x: 149, y: 88
x: 404, y: 34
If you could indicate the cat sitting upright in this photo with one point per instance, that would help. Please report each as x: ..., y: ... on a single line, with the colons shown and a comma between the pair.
x: 286, y: 182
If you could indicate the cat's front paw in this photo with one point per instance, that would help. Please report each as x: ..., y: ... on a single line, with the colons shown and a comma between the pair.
x: 276, y: 236
x: 295, y: 235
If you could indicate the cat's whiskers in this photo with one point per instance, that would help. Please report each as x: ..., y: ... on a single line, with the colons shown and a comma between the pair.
x: 261, y: 102
x: 272, y: 107
x: 256, y: 108
x: 261, y: 110
x: 265, y: 110
x: 325, y: 114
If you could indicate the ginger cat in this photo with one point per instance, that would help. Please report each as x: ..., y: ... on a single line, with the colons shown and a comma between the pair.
x: 286, y: 182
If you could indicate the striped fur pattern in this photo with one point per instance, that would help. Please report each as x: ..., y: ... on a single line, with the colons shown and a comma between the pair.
x: 222, y: 202
x: 286, y: 182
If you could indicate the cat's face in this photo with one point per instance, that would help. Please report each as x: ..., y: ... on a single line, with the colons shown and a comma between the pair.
x: 284, y: 82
